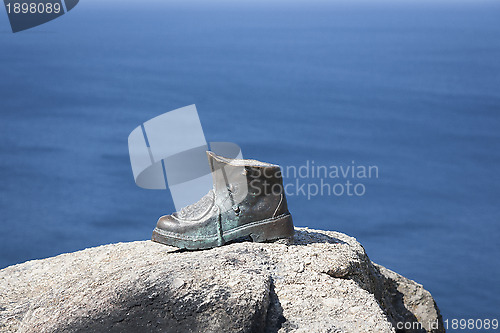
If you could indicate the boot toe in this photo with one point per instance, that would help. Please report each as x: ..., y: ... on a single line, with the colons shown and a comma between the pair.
x: 168, y: 223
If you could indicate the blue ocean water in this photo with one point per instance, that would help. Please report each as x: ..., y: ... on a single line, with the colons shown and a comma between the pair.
x: 411, y: 88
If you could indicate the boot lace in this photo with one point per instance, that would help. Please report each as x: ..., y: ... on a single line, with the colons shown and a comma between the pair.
x: 197, y: 209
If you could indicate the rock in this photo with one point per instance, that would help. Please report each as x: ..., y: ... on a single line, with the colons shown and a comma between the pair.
x: 321, y: 281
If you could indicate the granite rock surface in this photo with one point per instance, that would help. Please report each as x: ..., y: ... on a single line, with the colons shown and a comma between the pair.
x: 321, y: 281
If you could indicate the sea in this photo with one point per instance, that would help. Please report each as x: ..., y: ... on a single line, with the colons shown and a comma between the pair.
x: 411, y: 89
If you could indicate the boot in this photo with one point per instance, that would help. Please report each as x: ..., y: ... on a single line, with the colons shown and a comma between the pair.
x: 247, y: 200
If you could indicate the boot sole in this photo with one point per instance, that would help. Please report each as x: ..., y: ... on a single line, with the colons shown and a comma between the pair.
x: 259, y: 231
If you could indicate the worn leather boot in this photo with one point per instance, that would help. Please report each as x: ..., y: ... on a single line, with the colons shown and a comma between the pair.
x: 247, y: 200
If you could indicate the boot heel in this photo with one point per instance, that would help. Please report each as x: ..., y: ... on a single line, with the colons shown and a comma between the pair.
x: 280, y: 227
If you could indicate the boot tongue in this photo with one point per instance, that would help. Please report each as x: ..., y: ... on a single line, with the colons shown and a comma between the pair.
x: 198, y: 209
x: 219, y: 176
x: 230, y: 181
